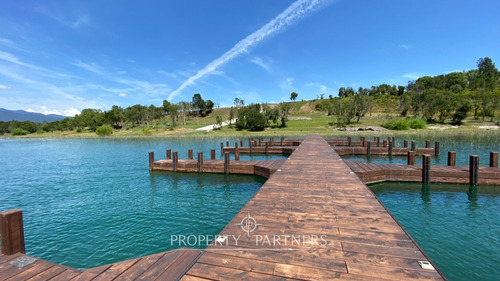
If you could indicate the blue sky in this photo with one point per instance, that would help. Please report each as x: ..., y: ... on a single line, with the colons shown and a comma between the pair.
x: 63, y: 56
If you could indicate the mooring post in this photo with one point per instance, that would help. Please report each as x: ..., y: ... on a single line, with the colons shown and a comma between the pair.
x: 281, y: 141
x: 222, y: 147
x: 237, y: 154
x: 426, y: 168
x: 384, y: 143
x: 349, y: 141
x: 427, y: 144
x: 151, y: 160
x: 251, y: 145
x: 369, y: 148
x: 226, y: 162
x: 267, y: 147
x: 235, y: 145
x: 260, y: 141
x: 436, y: 148
x: 494, y: 159
x: 362, y: 139
x: 413, y: 146
x: 405, y: 143
x: 473, y: 169
x: 200, y: 161
x: 393, y: 141
x: 12, y: 232
x: 169, y: 154
x: 452, y: 158
x: 378, y: 141
x: 411, y: 157
x: 190, y: 154
x: 175, y: 160
x: 212, y: 154
x: 241, y: 143
x: 227, y: 143
x: 390, y: 148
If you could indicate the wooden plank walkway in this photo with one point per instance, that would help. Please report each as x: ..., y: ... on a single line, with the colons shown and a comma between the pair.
x: 372, y: 172
x: 314, y: 193
x: 163, y: 266
x: 314, y: 218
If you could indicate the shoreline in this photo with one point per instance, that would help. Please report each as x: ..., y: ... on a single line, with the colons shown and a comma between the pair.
x: 286, y: 132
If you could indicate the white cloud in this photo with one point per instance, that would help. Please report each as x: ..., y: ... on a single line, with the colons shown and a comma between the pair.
x: 413, y: 75
x: 298, y: 10
x: 287, y: 84
x: 404, y: 46
x: 81, y: 21
x: 123, y: 94
x: 92, y: 67
x: 3, y: 87
x: 15, y: 60
x: 260, y: 62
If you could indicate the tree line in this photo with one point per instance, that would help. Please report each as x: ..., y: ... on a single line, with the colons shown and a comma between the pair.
x: 117, y: 117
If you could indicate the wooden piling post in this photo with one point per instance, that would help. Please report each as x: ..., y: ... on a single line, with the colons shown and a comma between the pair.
x: 378, y: 141
x: 241, y: 143
x: 411, y: 157
x: 436, y: 148
x: 175, y: 160
x: 212, y: 154
x: 12, y: 232
x: 151, y: 160
x: 227, y: 143
x: 237, y: 154
x: 267, y: 147
x: 426, y: 168
x: 393, y: 141
x: 405, y: 143
x: 362, y: 139
x: 222, y: 147
x: 390, y: 148
x: 236, y: 145
x: 494, y: 159
x: 200, y: 161
x: 413, y: 146
x: 251, y: 147
x: 281, y: 141
x: 473, y: 169
x: 452, y: 158
x: 260, y: 141
x: 369, y: 148
x: 226, y: 162
x: 190, y: 154
x: 384, y: 143
x: 427, y: 144
x: 169, y: 154
x: 349, y: 141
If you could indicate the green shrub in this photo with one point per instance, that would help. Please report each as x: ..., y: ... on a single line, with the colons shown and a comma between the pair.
x: 147, y: 132
x: 397, y: 124
x: 79, y: 130
x: 104, y: 130
x: 417, y: 123
x: 19, y: 132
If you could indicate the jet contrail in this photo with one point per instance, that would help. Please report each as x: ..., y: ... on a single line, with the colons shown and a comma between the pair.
x: 294, y: 12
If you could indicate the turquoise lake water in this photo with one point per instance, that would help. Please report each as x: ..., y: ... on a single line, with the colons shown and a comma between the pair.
x: 93, y: 202
x: 458, y: 227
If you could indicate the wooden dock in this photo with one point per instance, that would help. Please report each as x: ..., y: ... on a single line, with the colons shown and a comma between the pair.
x: 371, y: 173
x: 321, y: 222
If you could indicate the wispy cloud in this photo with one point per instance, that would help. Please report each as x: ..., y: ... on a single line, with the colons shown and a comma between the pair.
x: 15, y: 60
x: 122, y: 95
x: 287, y: 84
x: 260, y: 62
x: 3, y: 87
x: 404, y: 46
x: 298, y: 10
x: 92, y: 67
x: 413, y: 75
x: 74, y: 19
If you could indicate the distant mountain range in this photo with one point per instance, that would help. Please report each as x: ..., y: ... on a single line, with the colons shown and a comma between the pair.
x: 21, y: 115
